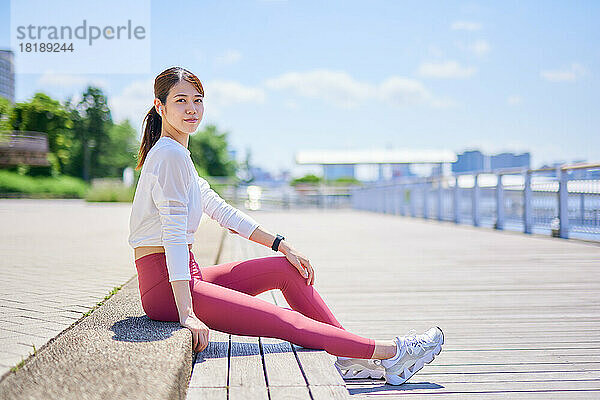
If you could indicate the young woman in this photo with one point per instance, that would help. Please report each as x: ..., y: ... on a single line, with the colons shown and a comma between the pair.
x: 169, y: 200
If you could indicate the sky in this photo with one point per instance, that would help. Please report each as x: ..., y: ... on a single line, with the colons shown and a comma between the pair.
x: 288, y: 76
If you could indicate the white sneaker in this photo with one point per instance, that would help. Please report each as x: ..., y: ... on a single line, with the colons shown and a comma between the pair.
x: 413, y: 351
x: 356, y: 368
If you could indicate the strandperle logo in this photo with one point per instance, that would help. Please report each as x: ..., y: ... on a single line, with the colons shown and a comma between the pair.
x: 80, y: 37
x: 81, y: 32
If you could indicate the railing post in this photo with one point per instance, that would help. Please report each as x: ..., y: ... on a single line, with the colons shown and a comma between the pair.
x: 455, y: 201
x: 563, y: 203
x: 440, y: 197
x: 499, y: 203
x: 527, y: 217
x: 425, y: 198
x: 389, y: 199
x: 401, y: 199
x: 398, y: 197
x: 476, y: 195
x: 411, y: 193
x: 582, y: 208
x: 404, y: 205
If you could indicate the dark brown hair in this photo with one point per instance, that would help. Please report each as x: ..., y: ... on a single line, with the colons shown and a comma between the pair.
x: 162, y: 85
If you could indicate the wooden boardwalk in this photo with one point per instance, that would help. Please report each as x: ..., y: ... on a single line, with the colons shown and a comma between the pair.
x: 520, y: 313
x: 244, y: 367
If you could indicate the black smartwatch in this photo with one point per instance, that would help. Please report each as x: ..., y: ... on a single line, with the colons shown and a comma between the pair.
x: 278, y: 239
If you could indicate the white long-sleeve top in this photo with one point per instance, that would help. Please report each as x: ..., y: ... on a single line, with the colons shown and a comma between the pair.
x: 168, y: 204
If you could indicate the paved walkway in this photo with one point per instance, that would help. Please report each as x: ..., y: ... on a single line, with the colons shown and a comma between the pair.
x: 59, y: 259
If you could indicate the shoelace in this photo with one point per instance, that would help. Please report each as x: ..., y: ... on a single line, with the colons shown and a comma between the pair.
x: 413, y: 341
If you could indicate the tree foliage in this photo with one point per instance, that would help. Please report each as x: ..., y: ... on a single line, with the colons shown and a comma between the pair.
x: 84, y: 142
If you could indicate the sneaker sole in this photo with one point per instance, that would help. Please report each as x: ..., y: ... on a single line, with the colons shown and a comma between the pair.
x: 360, y: 373
x: 416, y: 366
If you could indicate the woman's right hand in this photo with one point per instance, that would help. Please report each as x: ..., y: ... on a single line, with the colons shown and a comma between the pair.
x: 199, y: 332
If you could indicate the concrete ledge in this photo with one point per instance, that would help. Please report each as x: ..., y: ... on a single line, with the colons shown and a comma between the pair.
x: 115, y: 351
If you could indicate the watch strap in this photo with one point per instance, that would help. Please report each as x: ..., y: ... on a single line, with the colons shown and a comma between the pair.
x: 278, y: 239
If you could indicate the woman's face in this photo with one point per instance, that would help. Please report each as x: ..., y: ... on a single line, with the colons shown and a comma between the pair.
x: 184, y: 108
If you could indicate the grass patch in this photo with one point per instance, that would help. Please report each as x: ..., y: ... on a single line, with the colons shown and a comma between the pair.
x: 108, y: 296
x: 42, y: 186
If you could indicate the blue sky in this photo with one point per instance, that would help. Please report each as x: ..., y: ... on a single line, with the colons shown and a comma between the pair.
x: 285, y: 76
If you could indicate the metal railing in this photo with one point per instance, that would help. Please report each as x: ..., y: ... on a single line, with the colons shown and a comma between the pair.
x: 528, y: 200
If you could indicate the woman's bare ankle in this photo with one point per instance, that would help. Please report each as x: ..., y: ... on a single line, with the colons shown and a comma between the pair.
x: 384, y: 349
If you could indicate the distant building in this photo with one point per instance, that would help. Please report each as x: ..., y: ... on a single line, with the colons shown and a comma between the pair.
x: 336, y: 171
x: 260, y: 174
x: 510, y: 160
x: 343, y: 163
x: 470, y: 161
x: 476, y: 161
x: 7, y: 75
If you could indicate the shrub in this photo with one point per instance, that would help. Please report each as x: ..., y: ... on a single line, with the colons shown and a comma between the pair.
x: 42, y: 187
x: 110, y: 191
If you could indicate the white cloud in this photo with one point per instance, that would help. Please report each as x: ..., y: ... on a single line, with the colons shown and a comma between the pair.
x: 466, y: 25
x: 69, y: 80
x: 342, y: 90
x: 225, y: 93
x: 228, y: 57
x: 480, y: 47
x: 566, y: 75
x: 337, y: 87
x: 448, y: 69
x: 291, y: 104
x: 514, y: 100
x: 133, y: 102
x: 404, y: 91
x: 435, y: 51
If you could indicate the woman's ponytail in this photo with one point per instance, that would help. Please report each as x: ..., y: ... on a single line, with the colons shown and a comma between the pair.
x: 151, y: 135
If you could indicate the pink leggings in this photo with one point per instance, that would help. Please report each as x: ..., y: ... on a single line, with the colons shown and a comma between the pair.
x: 223, y: 298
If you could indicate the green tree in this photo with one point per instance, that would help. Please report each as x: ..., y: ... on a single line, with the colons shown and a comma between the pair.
x: 209, y: 152
x: 309, y: 178
x: 92, y: 122
x: 5, y: 110
x: 121, y: 150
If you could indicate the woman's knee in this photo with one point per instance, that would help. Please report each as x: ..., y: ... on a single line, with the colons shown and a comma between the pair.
x: 288, y: 269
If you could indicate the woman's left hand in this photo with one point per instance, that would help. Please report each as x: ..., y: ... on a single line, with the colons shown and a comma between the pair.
x: 301, y: 263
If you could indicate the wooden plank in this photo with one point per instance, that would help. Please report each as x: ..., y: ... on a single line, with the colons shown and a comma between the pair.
x: 196, y: 393
x: 520, y: 368
x: 329, y: 392
x: 211, y: 365
x: 289, y: 393
x: 318, y: 367
x: 506, y: 375
x: 420, y: 384
x: 245, y: 363
x: 281, y: 364
x: 247, y: 393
